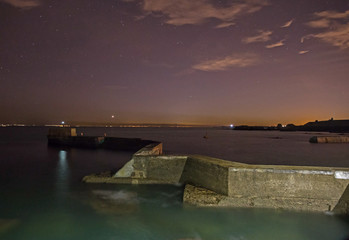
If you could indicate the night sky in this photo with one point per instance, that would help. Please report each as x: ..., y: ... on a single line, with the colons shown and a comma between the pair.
x: 164, y: 61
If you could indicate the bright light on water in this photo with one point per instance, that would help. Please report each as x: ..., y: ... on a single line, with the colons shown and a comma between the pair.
x: 62, y: 156
x: 62, y: 174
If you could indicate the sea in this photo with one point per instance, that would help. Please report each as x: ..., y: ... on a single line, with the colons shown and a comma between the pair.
x: 42, y: 196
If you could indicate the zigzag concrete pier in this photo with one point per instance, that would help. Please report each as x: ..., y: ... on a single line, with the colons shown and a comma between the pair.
x: 219, y: 183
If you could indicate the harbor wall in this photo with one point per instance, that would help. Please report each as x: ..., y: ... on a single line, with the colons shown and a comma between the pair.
x: 216, y: 182
x: 149, y: 164
x: 66, y: 136
x: 329, y: 139
x: 288, y: 187
x: 208, y: 172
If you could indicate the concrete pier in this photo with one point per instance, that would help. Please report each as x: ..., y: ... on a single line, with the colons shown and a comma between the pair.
x: 266, y: 186
x: 66, y: 136
x: 329, y: 139
x: 216, y: 182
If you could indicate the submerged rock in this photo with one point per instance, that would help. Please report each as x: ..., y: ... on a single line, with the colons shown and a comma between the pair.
x: 113, y: 202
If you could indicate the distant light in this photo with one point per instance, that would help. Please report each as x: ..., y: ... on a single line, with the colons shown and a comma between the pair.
x: 63, y: 122
x: 112, y: 116
x: 231, y: 125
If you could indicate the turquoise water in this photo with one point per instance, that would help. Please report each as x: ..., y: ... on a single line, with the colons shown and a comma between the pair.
x: 42, y: 196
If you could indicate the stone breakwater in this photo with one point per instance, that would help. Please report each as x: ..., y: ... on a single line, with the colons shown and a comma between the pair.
x: 219, y: 183
x: 216, y: 182
x: 66, y: 136
x: 329, y: 139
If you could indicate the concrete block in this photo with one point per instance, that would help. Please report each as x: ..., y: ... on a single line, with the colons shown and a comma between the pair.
x: 287, y: 181
x: 62, y: 132
x: 342, y: 206
x: 207, y: 172
x: 168, y: 168
x: 329, y: 139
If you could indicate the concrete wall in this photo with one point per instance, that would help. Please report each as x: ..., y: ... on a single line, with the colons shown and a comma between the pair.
x: 211, y: 173
x: 148, y: 164
x: 330, y: 139
x: 155, y: 148
x: 288, y: 186
x: 66, y: 136
x: 163, y: 168
x: 342, y: 206
x: 215, y: 182
x: 62, y: 132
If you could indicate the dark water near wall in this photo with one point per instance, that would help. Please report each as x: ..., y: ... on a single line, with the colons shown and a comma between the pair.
x: 41, y: 196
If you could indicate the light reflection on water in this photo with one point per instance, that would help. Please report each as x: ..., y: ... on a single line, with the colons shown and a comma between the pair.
x: 42, y: 198
x: 62, y: 171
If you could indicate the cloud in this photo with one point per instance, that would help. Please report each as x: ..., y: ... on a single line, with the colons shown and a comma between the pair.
x: 332, y: 14
x: 321, y: 23
x: 181, y: 12
x: 225, y: 24
x: 335, y: 28
x: 23, y: 3
x: 221, y: 64
x: 287, y: 24
x: 278, y: 44
x: 263, y: 36
x: 303, y: 52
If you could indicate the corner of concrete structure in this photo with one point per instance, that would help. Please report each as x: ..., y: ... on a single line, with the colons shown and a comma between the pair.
x: 210, y: 173
x: 148, y: 163
x: 342, y: 207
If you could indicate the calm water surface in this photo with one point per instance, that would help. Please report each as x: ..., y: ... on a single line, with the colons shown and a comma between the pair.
x: 42, y: 197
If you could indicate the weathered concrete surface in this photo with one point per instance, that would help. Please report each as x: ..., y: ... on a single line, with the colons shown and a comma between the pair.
x: 153, y: 148
x: 342, y: 206
x: 203, y: 197
x: 128, y: 169
x: 208, y: 172
x: 148, y: 163
x: 329, y: 139
x: 286, y: 187
x: 215, y: 182
x: 167, y: 168
x: 147, y: 166
x: 291, y: 181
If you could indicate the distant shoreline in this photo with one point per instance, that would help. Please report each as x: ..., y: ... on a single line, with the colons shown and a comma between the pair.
x: 120, y: 126
x: 336, y: 126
